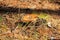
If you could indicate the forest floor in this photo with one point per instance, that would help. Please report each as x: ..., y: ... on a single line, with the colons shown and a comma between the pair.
x: 48, y: 30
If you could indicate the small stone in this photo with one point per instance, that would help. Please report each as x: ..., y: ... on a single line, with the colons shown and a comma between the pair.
x: 52, y: 38
x: 49, y: 24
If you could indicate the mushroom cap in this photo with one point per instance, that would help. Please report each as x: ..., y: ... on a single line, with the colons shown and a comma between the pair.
x: 29, y: 17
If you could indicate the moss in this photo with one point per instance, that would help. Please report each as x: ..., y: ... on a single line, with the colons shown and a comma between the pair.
x: 44, y: 15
